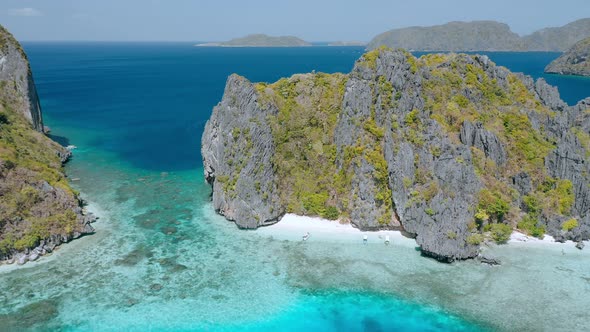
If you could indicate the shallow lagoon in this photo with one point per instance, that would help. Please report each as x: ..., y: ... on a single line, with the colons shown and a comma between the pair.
x: 162, y: 260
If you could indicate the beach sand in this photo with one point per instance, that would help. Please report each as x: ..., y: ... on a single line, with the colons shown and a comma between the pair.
x: 293, y: 227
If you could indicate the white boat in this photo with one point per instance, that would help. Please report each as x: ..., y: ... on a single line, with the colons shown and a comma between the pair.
x: 386, y: 239
x: 306, y: 236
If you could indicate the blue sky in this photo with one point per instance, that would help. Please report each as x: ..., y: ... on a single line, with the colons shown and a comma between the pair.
x: 313, y: 20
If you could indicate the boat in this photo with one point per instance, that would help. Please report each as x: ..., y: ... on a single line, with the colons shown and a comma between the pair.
x: 306, y: 236
x: 386, y: 239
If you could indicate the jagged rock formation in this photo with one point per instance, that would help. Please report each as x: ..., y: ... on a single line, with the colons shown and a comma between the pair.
x: 451, y: 149
x: 262, y: 40
x: 237, y: 143
x: 576, y: 61
x: 38, y: 209
x: 481, y: 36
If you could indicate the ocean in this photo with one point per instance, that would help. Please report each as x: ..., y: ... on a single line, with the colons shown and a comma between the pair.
x: 162, y: 260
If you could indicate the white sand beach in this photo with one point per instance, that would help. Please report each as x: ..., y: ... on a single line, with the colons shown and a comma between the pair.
x: 293, y: 227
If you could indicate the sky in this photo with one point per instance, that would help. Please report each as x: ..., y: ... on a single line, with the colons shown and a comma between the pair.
x: 312, y: 20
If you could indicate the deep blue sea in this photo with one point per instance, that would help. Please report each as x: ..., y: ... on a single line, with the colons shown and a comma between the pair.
x: 161, y: 259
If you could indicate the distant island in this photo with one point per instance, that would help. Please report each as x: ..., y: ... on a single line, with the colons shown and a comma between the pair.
x: 558, y: 39
x: 261, y: 40
x: 347, y: 43
x: 576, y: 61
x: 482, y: 36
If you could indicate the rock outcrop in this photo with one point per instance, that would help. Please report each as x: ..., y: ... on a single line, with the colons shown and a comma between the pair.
x: 451, y: 149
x: 38, y: 208
x: 576, y: 61
x: 481, y: 36
x: 238, y: 148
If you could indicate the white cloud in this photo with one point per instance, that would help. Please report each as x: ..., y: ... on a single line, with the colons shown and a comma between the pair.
x: 27, y: 11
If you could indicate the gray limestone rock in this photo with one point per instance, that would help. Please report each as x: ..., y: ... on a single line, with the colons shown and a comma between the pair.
x: 473, y: 134
x: 431, y: 177
x: 237, y: 150
x: 15, y: 70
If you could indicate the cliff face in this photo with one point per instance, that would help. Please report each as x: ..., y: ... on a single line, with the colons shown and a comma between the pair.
x: 482, y: 36
x: 449, y: 148
x: 38, y: 208
x: 576, y: 61
x: 16, y: 72
x: 238, y: 148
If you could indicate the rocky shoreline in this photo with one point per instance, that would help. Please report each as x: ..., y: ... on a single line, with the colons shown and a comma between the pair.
x: 39, y: 210
x: 48, y: 245
x: 576, y: 61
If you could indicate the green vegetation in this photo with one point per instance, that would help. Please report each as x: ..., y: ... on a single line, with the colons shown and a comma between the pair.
x: 370, y: 58
x: 500, y: 233
x: 455, y: 89
x: 530, y: 225
x: 492, y: 204
x: 27, y: 158
x: 499, y: 109
x: 569, y: 224
x: 305, y: 152
x: 475, y: 239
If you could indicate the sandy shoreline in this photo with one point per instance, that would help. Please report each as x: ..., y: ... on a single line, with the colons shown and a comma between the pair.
x: 293, y: 227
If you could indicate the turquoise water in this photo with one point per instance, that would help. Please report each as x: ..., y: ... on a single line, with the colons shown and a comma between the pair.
x: 161, y: 259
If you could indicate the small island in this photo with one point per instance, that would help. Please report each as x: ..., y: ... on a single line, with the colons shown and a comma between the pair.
x: 347, y: 43
x: 576, y: 61
x: 261, y: 40
x: 449, y: 149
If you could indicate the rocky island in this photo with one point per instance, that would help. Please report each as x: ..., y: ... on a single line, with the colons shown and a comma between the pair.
x: 38, y: 208
x: 450, y: 149
x: 482, y: 36
x: 262, y: 40
x: 576, y: 61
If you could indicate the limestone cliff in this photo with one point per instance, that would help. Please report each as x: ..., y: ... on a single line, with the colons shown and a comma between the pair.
x: 576, y: 61
x: 17, y: 78
x: 38, y: 208
x: 451, y: 149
